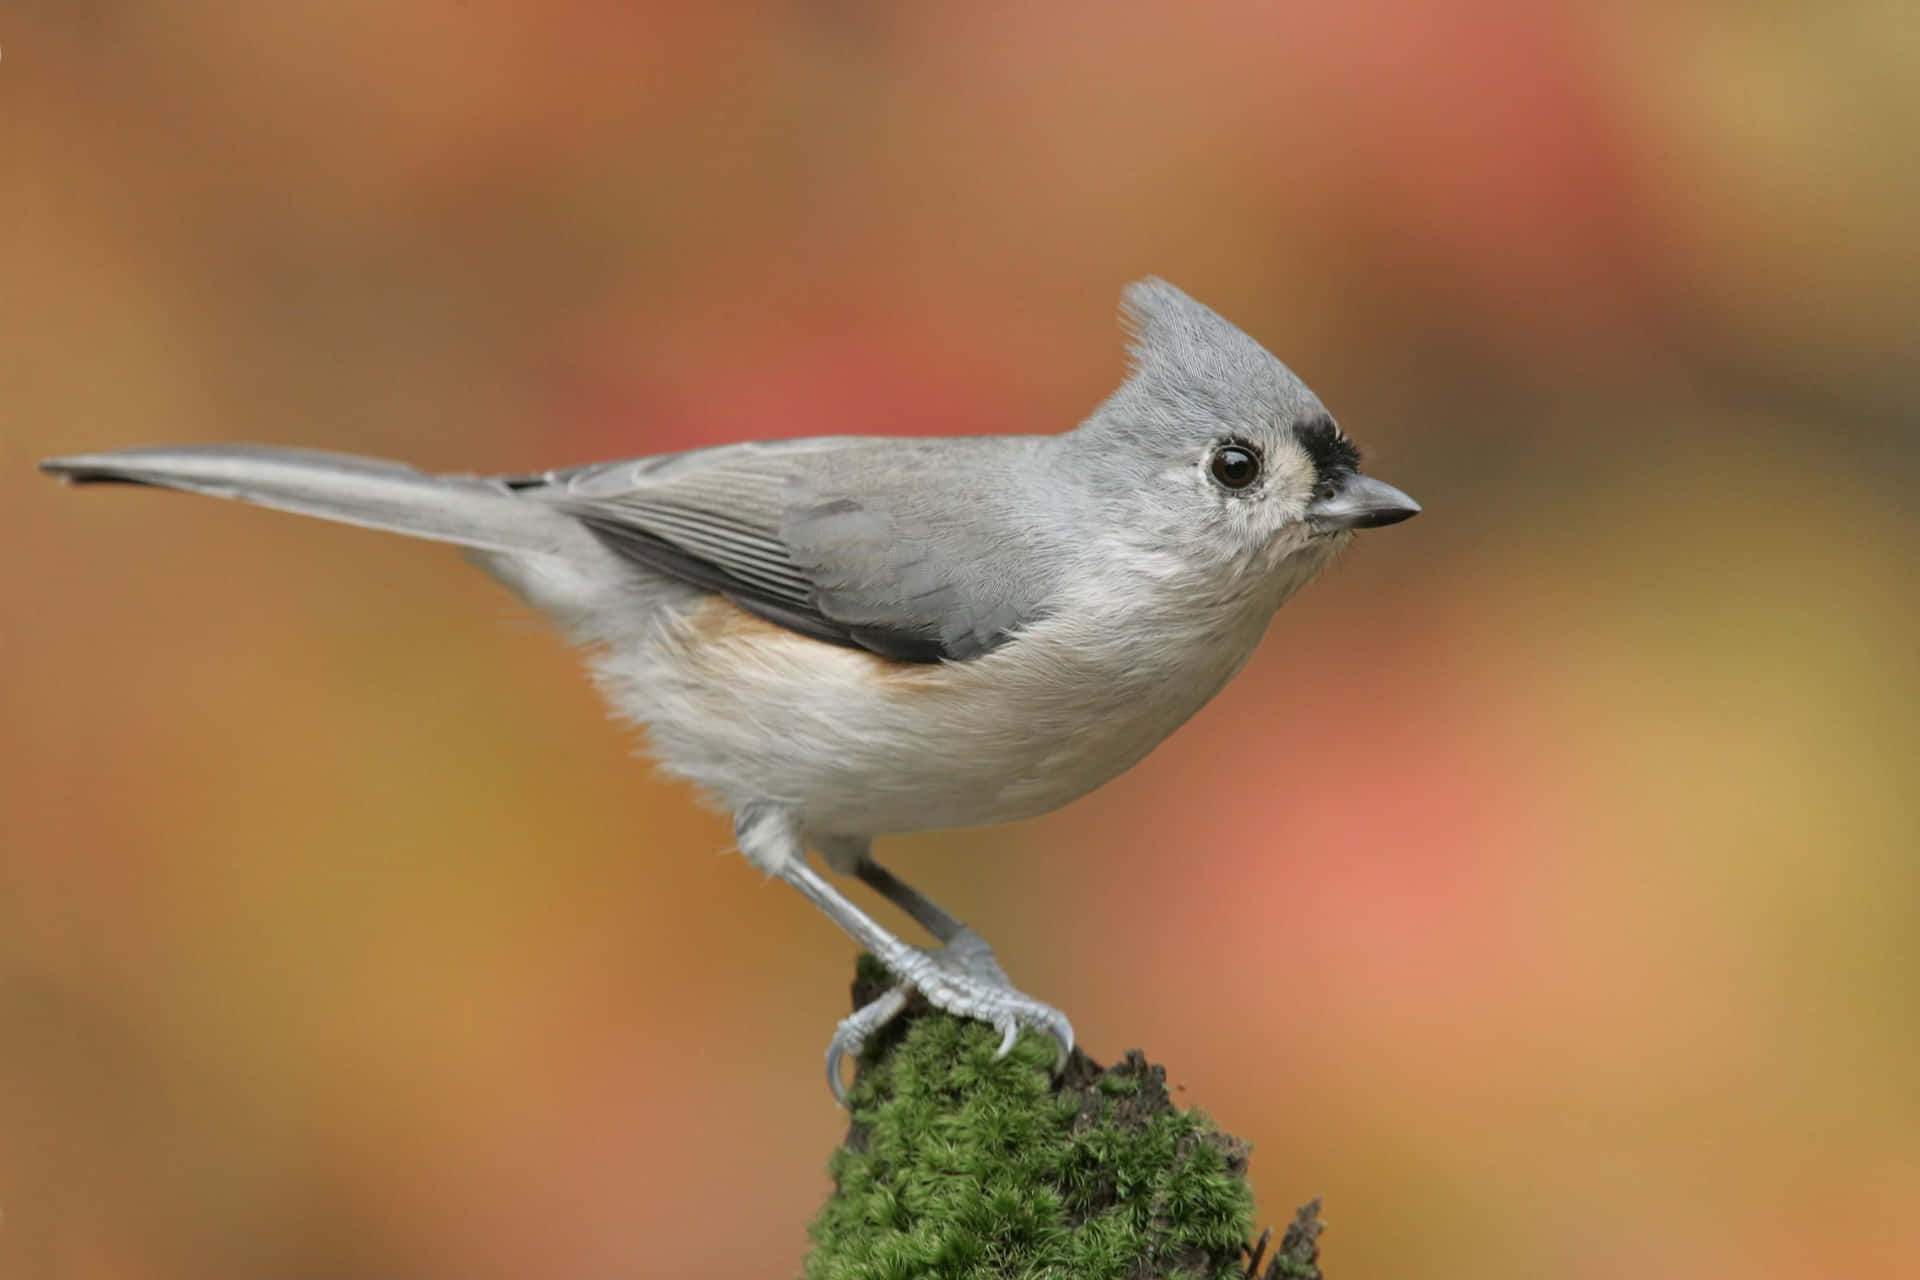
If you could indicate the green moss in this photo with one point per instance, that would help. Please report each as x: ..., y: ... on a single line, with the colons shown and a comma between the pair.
x: 961, y: 1164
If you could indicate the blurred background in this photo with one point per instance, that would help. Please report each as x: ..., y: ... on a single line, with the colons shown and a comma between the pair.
x: 1545, y: 894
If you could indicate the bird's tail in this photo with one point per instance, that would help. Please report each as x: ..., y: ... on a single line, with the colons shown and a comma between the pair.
x: 469, y: 511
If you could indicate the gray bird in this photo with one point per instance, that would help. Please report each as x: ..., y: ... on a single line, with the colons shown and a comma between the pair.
x: 845, y: 637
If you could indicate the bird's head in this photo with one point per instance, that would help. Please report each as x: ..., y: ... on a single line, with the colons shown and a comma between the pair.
x: 1216, y: 455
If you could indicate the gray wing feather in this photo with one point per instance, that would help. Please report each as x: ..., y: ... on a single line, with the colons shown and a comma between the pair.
x: 958, y: 543
x: 717, y: 512
x: 881, y: 544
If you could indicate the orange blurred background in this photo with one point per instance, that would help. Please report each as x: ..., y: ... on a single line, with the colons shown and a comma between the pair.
x: 1544, y: 895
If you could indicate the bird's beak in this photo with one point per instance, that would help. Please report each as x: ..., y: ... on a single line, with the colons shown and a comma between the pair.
x: 1361, y: 503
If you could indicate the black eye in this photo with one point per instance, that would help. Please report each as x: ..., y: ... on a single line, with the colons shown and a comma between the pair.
x: 1235, y: 466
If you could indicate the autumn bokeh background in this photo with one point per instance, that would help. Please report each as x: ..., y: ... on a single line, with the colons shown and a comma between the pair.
x: 1545, y: 895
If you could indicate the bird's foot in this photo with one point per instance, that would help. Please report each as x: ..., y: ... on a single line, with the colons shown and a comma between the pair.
x: 962, y: 978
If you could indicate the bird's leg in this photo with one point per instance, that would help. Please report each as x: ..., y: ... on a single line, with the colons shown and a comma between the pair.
x: 979, y: 988
x: 961, y: 948
x: 962, y: 953
x: 963, y: 980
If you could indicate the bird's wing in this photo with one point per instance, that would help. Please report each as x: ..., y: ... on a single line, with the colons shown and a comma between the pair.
x: 863, y: 542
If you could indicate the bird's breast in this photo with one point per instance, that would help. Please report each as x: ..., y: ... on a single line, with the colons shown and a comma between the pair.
x: 863, y: 745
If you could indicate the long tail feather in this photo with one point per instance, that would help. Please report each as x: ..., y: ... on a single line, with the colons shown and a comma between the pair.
x: 466, y: 510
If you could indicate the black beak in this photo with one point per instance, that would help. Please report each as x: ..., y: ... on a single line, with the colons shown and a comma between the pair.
x: 1361, y: 503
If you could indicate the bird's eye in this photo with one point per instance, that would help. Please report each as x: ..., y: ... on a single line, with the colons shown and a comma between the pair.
x: 1235, y: 466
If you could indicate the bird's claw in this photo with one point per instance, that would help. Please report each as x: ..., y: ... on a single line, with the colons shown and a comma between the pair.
x: 851, y: 1035
x: 962, y: 978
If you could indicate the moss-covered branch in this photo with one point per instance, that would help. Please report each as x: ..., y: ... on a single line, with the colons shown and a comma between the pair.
x: 960, y: 1164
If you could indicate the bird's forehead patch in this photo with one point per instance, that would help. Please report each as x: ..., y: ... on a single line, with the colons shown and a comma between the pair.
x: 1332, y: 453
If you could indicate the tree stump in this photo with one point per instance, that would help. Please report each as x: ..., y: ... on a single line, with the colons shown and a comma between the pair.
x: 960, y: 1164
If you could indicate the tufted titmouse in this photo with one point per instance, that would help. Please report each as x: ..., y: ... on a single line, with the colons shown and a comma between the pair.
x: 843, y: 637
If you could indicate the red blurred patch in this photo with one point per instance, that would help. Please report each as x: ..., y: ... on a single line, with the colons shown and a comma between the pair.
x: 1483, y: 145
x: 1382, y: 825
x: 777, y: 370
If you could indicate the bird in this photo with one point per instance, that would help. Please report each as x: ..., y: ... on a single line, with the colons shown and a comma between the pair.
x: 835, y: 639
